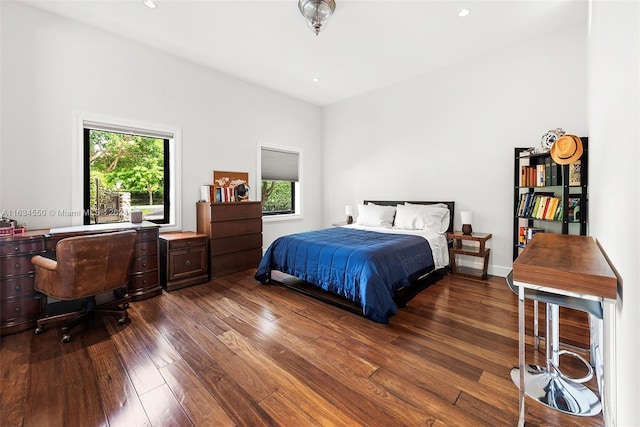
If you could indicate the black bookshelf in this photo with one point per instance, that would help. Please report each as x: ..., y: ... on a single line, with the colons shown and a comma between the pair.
x: 559, y: 185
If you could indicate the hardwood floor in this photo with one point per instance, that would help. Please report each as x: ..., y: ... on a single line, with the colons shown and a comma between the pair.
x: 233, y: 352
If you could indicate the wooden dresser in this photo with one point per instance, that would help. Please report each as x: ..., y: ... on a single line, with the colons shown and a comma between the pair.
x: 20, y: 305
x: 235, y: 235
x: 183, y: 259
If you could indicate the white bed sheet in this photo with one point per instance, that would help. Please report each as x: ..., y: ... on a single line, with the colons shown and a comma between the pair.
x: 438, y: 242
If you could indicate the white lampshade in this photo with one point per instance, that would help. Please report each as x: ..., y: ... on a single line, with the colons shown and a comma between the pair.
x: 466, y: 217
x: 348, y: 210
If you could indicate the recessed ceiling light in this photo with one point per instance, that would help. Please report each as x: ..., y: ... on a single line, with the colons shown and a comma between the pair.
x: 464, y: 12
x: 316, y: 80
x: 150, y: 4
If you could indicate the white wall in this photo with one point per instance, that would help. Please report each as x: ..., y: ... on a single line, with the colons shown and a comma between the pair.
x: 51, y: 66
x: 450, y: 134
x: 614, y: 189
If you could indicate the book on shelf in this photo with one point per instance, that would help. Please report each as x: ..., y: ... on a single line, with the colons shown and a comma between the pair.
x: 574, y: 173
x: 525, y: 234
x: 573, y: 209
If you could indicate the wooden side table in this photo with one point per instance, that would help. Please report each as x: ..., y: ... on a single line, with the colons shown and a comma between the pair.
x: 473, y: 245
x: 183, y: 260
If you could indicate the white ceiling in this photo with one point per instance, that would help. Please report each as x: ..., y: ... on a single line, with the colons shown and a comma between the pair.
x: 367, y: 44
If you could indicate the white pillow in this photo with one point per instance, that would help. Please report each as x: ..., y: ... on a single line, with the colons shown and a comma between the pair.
x: 423, y: 217
x: 376, y: 216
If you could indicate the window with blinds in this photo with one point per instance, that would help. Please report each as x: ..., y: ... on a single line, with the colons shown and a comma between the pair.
x: 280, y: 180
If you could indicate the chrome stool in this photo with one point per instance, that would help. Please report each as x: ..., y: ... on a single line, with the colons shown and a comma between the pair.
x: 548, y: 385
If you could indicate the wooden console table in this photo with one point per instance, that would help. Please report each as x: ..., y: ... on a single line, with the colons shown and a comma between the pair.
x: 561, y: 264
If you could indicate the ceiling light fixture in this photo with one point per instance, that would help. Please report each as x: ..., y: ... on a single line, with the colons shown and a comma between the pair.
x: 150, y: 4
x: 316, y: 12
x: 464, y: 12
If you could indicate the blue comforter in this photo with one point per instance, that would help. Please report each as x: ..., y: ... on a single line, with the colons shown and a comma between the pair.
x: 364, y: 266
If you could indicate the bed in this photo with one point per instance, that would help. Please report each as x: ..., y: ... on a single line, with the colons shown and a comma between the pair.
x: 389, y: 251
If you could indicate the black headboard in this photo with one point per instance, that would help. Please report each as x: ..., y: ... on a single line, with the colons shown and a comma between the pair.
x: 450, y: 205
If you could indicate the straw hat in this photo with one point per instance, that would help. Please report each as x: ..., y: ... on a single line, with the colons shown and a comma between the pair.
x: 567, y: 149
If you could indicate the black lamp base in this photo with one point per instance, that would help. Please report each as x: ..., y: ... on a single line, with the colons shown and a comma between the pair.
x: 466, y: 229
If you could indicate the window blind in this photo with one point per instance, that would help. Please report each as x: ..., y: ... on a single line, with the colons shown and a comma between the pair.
x: 279, y: 165
x: 105, y: 127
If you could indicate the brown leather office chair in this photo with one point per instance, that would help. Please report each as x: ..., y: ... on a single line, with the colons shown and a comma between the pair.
x: 86, y: 266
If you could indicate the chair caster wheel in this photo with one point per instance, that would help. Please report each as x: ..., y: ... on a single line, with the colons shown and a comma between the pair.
x: 39, y: 330
x: 66, y: 338
x: 65, y: 329
x: 125, y: 305
x: 122, y: 321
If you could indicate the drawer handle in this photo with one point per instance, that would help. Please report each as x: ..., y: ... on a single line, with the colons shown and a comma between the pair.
x: 17, y: 266
x: 144, y: 248
x: 16, y: 249
x: 188, y: 243
x: 18, y: 309
x: 18, y: 288
x: 144, y: 265
x: 144, y: 281
x: 143, y: 235
x: 188, y: 262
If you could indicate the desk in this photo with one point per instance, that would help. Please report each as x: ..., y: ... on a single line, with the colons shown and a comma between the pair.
x: 561, y: 264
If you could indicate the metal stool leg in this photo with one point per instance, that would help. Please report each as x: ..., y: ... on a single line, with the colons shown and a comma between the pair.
x: 549, y: 386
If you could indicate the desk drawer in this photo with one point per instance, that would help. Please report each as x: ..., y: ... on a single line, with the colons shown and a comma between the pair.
x: 22, y: 247
x: 21, y: 309
x: 143, y: 281
x: 145, y: 248
x: 141, y: 265
x: 17, y: 286
x: 16, y: 265
x: 187, y: 243
x: 146, y: 234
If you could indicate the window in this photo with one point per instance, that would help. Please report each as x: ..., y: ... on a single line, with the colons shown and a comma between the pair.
x: 125, y: 173
x: 121, y: 166
x: 279, y: 180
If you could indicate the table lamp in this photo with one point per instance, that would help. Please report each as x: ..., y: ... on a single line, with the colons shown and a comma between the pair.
x: 467, y: 219
x: 348, y: 210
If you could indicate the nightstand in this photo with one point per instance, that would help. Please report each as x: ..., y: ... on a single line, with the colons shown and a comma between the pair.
x: 183, y: 260
x: 472, y: 245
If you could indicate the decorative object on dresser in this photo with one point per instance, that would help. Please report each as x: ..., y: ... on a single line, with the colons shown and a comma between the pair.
x: 20, y: 304
x: 86, y: 266
x: 183, y: 259
x: 234, y: 231
x: 550, y: 190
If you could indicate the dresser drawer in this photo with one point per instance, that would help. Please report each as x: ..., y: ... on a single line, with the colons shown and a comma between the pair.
x: 16, y: 265
x: 186, y: 263
x: 186, y: 243
x: 234, y: 244
x: 17, y: 286
x: 141, y: 265
x: 21, y: 309
x: 237, y: 261
x: 235, y: 211
x: 30, y: 246
x: 236, y: 228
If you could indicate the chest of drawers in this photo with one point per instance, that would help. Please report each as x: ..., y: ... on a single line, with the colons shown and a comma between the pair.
x: 183, y: 260
x: 20, y: 304
x: 235, y: 235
